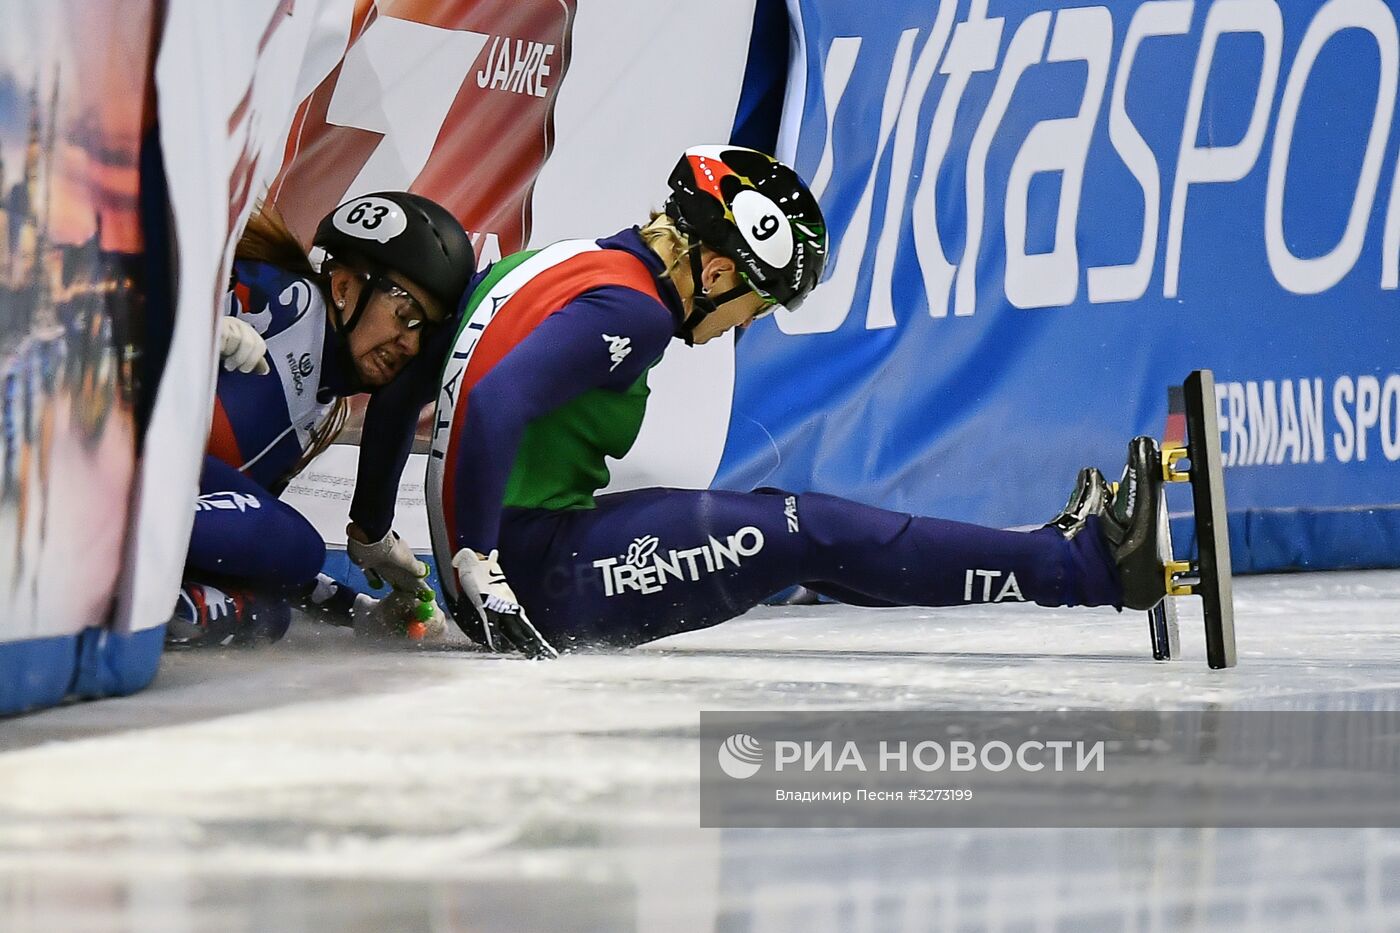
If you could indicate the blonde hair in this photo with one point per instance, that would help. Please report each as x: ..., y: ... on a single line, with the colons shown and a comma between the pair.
x: 665, y: 238
x: 268, y: 238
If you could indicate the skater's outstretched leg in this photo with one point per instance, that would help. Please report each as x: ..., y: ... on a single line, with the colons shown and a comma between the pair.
x: 891, y: 558
x: 650, y: 563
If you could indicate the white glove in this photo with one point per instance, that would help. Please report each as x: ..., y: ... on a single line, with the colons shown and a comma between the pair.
x: 241, y: 347
x: 399, y: 615
x: 388, y: 560
x: 500, y: 619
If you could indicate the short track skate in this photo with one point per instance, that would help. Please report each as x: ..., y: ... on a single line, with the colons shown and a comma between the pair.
x: 1191, y: 454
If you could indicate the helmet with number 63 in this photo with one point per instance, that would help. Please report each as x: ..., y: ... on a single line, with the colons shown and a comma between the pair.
x: 754, y: 209
x: 405, y: 233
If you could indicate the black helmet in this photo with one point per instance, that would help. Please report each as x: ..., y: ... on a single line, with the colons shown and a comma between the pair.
x: 755, y: 210
x: 405, y: 233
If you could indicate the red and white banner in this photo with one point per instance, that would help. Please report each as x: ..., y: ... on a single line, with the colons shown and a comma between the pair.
x: 451, y: 99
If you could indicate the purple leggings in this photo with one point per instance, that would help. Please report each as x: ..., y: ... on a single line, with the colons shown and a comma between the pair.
x: 654, y: 562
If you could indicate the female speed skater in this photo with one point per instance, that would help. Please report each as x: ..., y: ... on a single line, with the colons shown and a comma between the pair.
x: 296, y: 343
x: 548, y: 376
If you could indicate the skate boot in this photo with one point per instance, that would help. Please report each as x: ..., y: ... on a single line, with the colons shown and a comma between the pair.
x: 414, y: 616
x: 334, y: 602
x: 1090, y: 497
x: 1130, y: 526
x: 206, y: 616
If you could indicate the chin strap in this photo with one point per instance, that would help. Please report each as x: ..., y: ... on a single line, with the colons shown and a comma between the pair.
x: 361, y: 303
x: 702, y: 304
x: 340, y: 342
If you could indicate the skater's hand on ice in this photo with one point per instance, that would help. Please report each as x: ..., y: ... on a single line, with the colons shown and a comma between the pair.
x: 387, y: 560
x: 402, y: 615
x: 241, y: 347
x: 411, y: 609
x: 503, y: 623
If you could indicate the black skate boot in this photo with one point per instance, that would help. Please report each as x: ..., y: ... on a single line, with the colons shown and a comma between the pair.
x: 1090, y: 497
x: 1131, y: 526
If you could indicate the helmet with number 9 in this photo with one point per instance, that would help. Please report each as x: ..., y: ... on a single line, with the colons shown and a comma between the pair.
x: 404, y: 233
x: 754, y: 209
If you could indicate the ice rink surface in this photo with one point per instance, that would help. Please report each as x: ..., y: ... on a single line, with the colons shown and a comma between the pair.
x: 326, y: 784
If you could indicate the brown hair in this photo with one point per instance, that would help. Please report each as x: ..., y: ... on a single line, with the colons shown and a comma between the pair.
x: 268, y: 238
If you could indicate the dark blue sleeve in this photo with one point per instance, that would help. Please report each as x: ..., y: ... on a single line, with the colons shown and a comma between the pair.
x: 391, y: 421
x: 605, y: 338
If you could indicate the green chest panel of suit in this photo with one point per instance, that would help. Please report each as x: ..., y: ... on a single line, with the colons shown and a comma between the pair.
x: 562, y: 461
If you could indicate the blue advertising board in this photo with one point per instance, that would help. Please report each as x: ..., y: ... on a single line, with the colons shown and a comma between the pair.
x: 1042, y: 216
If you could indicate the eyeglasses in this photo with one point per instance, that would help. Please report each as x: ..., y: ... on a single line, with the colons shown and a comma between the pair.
x: 407, y: 310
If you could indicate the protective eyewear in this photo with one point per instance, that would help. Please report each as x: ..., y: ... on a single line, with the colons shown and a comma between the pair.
x: 407, y: 310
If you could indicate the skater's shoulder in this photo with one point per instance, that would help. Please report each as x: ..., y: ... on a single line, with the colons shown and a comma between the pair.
x: 284, y: 296
x: 624, y: 310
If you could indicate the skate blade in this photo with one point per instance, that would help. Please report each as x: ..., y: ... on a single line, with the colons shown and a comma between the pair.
x: 1193, y: 406
x: 1162, y: 624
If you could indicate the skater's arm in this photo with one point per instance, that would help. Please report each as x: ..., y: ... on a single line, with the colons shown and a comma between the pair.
x: 262, y: 301
x: 606, y: 339
x: 391, y: 422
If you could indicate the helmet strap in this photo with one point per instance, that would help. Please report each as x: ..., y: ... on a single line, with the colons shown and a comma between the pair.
x: 340, y: 341
x: 701, y: 302
x: 361, y: 303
